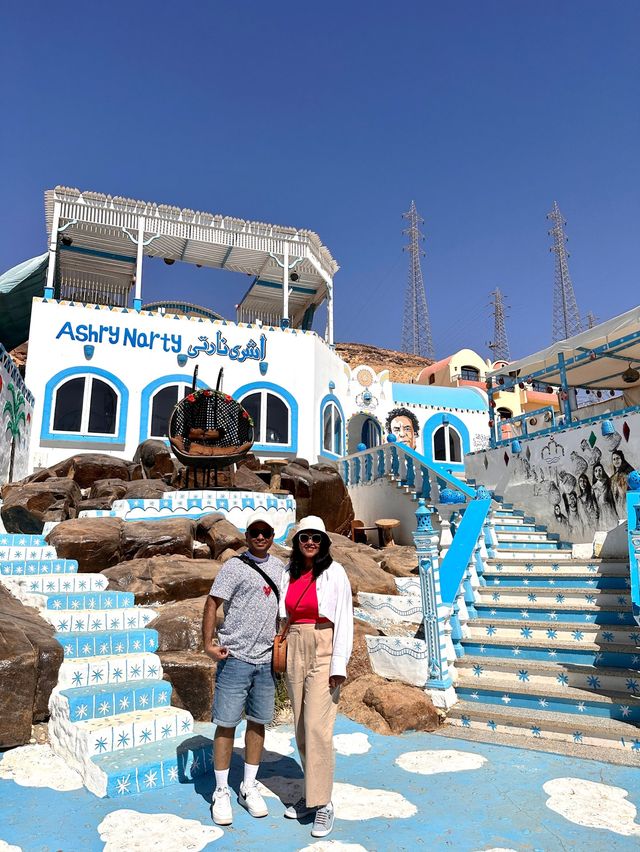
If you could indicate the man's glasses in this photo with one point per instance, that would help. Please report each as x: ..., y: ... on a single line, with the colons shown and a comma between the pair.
x: 260, y: 531
x: 316, y: 538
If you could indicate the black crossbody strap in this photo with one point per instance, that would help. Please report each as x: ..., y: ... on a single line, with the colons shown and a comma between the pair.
x: 252, y: 564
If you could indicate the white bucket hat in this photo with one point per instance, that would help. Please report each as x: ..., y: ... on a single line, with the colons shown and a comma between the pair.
x: 312, y: 523
x: 261, y: 515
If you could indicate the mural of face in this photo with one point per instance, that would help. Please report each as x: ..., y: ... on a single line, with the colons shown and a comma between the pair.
x: 402, y: 428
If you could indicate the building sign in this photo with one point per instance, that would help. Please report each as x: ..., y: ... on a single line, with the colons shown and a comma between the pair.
x: 136, y: 339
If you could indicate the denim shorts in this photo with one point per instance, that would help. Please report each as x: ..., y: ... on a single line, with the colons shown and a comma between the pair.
x: 240, y: 686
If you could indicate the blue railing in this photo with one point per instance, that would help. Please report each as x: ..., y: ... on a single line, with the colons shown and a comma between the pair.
x: 410, y: 469
x: 455, y: 563
x: 633, y: 526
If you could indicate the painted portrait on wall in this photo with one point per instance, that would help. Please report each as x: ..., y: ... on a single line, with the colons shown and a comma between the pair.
x: 404, y: 425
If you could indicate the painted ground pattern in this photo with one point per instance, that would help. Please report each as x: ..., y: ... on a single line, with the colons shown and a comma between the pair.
x: 395, y: 794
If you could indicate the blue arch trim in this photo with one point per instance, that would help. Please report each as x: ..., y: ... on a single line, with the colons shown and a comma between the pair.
x: 148, y: 392
x: 77, y: 437
x: 427, y: 437
x: 278, y: 390
x: 323, y: 404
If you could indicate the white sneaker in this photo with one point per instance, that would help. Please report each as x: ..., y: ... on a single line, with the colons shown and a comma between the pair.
x: 221, y: 812
x: 249, y: 797
x: 323, y: 823
x: 299, y: 810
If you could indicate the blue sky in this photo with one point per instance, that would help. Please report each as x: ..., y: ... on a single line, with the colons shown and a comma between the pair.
x: 333, y: 116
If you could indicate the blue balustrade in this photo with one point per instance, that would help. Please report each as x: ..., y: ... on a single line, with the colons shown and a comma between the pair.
x: 368, y: 468
x: 633, y: 527
x: 411, y: 472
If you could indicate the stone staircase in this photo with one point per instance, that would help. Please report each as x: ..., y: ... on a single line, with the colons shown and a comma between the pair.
x: 111, y: 714
x: 550, y: 653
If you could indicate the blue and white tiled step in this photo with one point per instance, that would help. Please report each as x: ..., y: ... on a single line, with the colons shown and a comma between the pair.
x: 553, y: 651
x: 111, y: 716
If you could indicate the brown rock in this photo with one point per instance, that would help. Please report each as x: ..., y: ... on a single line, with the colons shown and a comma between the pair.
x: 29, y: 661
x: 359, y: 663
x: 147, y: 489
x: 94, y: 542
x: 156, y: 460
x: 163, y: 578
x: 216, y: 531
x: 399, y: 560
x: 249, y: 461
x: 179, y: 625
x: 246, y: 479
x: 319, y: 490
x: 386, y: 707
x: 113, y: 489
x: 192, y: 676
x: 25, y: 505
x: 86, y: 468
x: 102, y: 503
x: 364, y: 572
x: 153, y: 538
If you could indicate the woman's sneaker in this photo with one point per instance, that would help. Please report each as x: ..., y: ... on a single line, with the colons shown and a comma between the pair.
x: 221, y: 812
x: 250, y: 798
x: 299, y: 810
x: 323, y: 823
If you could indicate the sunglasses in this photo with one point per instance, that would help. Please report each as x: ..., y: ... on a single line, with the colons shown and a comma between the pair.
x: 261, y: 531
x: 316, y: 538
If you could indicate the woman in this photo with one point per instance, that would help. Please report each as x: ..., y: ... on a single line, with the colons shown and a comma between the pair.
x: 316, y: 601
x: 604, y: 498
x: 573, y: 518
x: 586, y: 503
x: 621, y: 469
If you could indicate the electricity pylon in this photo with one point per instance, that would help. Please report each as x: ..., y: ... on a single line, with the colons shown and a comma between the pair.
x: 566, y: 317
x: 416, y: 327
x: 500, y: 344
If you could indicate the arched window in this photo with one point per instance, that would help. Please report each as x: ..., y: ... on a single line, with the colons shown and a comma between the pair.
x: 504, y: 413
x: 271, y: 417
x: 163, y: 402
x: 447, y: 445
x: 470, y: 374
x: 332, y: 429
x: 87, y: 405
x: 371, y: 435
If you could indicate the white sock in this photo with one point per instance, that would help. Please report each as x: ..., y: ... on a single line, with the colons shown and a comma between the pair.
x: 222, y: 777
x: 250, y: 773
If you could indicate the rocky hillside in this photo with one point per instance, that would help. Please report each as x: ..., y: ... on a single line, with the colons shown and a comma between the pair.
x: 402, y: 366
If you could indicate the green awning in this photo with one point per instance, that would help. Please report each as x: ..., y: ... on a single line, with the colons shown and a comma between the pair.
x: 18, y: 286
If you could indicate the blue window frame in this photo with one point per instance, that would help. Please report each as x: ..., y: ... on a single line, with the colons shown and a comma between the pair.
x: 275, y: 416
x: 85, y: 405
x: 332, y: 434
x: 155, y: 403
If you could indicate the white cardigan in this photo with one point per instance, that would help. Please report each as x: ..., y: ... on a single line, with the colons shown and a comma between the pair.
x: 334, y: 602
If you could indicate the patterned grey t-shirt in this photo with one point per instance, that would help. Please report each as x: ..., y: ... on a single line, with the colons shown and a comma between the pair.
x: 250, y: 608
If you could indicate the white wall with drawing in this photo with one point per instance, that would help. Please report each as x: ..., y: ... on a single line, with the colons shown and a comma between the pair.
x: 574, y: 480
x: 16, y: 414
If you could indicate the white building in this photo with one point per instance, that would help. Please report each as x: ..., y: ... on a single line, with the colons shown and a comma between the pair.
x: 106, y: 371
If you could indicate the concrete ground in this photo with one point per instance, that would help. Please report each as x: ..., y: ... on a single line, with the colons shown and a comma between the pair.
x: 392, y: 793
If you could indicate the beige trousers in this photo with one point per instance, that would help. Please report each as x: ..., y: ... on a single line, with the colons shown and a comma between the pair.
x: 314, y: 706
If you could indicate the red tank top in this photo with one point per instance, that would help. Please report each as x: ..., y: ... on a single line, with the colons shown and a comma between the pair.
x: 306, y: 611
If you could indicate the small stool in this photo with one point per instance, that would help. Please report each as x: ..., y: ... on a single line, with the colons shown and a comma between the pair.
x: 276, y: 466
x: 385, y: 530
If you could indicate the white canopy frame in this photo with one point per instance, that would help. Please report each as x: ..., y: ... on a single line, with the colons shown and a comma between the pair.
x: 97, y: 244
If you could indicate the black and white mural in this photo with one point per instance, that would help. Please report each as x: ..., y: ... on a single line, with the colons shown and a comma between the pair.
x: 574, y: 480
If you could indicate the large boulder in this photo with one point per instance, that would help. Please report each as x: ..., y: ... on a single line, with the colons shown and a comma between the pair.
x: 26, y: 506
x: 219, y: 534
x: 362, y: 565
x: 110, y: 489
x: 192, y: 676
x: 156, y: 460
x: 359, y: 662
x: 399, y: 560
x: 388, y: 707
x: 179, y: 625
x: 319, y: 490
x: 94, y: 542
x: 147, y: 489
x: 29, y: 661
x: 163, y: 578
x: 86, y: 468
x: 246, y: 479
x: 154, y: 538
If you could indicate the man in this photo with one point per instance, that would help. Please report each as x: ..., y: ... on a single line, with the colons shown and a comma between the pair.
x: 242, y: 649
x: 404, y: 425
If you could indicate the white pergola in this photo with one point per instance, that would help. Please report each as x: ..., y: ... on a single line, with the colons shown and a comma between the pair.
x: 97, y: 244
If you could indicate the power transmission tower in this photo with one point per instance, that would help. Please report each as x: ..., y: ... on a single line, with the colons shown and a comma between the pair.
x: 591, y: 319
x: 566, y: 317
x: 500, y: 345
x: 416, y: 328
